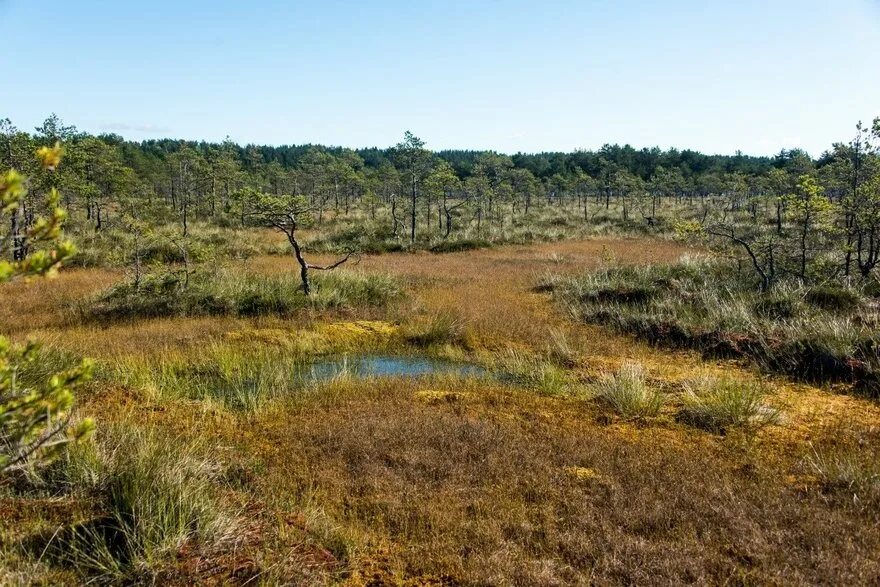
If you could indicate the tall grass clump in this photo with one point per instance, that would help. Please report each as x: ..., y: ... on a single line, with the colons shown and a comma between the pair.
x: 561, y: 349
x: 533, y: 371
x: 847, y: 469
x: 436, y: 330
x: 719, y: 404
x: 345, y: 289
x: 628, y: 394
x: 459, y: 245
x: 818, y: 333
x: 227, y: 292
x: 155, y: 494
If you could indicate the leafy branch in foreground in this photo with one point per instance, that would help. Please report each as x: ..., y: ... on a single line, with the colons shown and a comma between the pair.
x: 34, y: 419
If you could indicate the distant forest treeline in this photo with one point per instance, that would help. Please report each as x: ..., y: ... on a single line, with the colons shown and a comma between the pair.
x: 642, y: 162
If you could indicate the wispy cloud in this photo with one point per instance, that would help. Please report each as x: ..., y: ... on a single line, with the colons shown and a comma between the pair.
x: 124, y: 127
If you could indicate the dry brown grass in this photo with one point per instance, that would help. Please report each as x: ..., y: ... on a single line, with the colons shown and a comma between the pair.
x: 488, y: 499
x: 40, y: 303
x: 369, y: 481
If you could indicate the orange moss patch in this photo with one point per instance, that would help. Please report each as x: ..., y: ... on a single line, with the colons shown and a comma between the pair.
x: 440, y: 396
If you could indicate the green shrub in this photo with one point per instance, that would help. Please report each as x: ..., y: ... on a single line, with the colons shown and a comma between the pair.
x: 36, y: 398
x: 718, y: 404
x: 626, y: 392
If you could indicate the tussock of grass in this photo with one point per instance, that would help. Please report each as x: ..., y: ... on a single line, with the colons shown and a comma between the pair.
x: 822, y: 333
x: 436, y: 330
x: 718, y: 404
x: 46, y: 361
x: 236, y: 293
x: 833, y: 299
x: 627, y: 393
x: 847, y: 469
x: 363, y: 235
x: 560, y: 349
x: 154, y: 493
x: 547, y: 283
x: 82, y: 468
x: 533, y: 371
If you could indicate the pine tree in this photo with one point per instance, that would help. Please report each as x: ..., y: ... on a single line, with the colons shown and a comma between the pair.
x: 35, y: 419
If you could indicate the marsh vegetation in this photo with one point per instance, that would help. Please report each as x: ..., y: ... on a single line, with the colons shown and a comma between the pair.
x: 617, y: 367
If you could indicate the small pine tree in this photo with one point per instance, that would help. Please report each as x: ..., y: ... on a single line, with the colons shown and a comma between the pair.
x: 35, y: 419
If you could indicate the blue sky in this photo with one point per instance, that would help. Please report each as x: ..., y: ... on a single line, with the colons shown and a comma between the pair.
x: 508, y: 75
